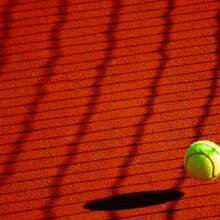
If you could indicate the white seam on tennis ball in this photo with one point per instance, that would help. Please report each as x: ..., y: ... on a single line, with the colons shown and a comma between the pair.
x: 213, y: 149
x: 196, y: 153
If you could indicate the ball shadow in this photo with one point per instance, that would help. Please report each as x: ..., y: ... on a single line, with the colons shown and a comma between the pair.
x: 134, y: 200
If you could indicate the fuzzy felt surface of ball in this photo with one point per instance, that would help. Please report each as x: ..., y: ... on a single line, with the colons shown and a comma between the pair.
x: 202, y: 160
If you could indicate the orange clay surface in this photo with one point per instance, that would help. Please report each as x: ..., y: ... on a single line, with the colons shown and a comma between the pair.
x: 101, y: 98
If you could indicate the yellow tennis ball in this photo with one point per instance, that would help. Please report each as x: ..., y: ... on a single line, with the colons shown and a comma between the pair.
x: 202, y: 160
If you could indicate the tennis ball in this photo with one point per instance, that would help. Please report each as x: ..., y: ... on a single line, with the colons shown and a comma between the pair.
x: 202, y: 160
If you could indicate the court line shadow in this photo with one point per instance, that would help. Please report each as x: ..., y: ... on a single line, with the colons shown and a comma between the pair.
x: 134, y: 200
x: 149, y: 105
x: 32, y: 109
x: 206, y: 112
x: 90, y: 110
x: 6, y: 23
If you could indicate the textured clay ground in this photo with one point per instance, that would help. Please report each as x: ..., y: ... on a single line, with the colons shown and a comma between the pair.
x: 100, y: 98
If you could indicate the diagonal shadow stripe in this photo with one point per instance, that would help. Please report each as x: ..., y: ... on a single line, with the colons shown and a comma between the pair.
x: 149, y: 106
x: 84, y: 123
x: 32, y: 110
x: 206, y: 113
x: 6, y: 29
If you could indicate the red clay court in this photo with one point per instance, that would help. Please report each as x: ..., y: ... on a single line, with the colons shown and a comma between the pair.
x: 99, y: 101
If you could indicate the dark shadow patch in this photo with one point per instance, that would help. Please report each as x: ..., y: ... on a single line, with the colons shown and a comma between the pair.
x: 134, y: 200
